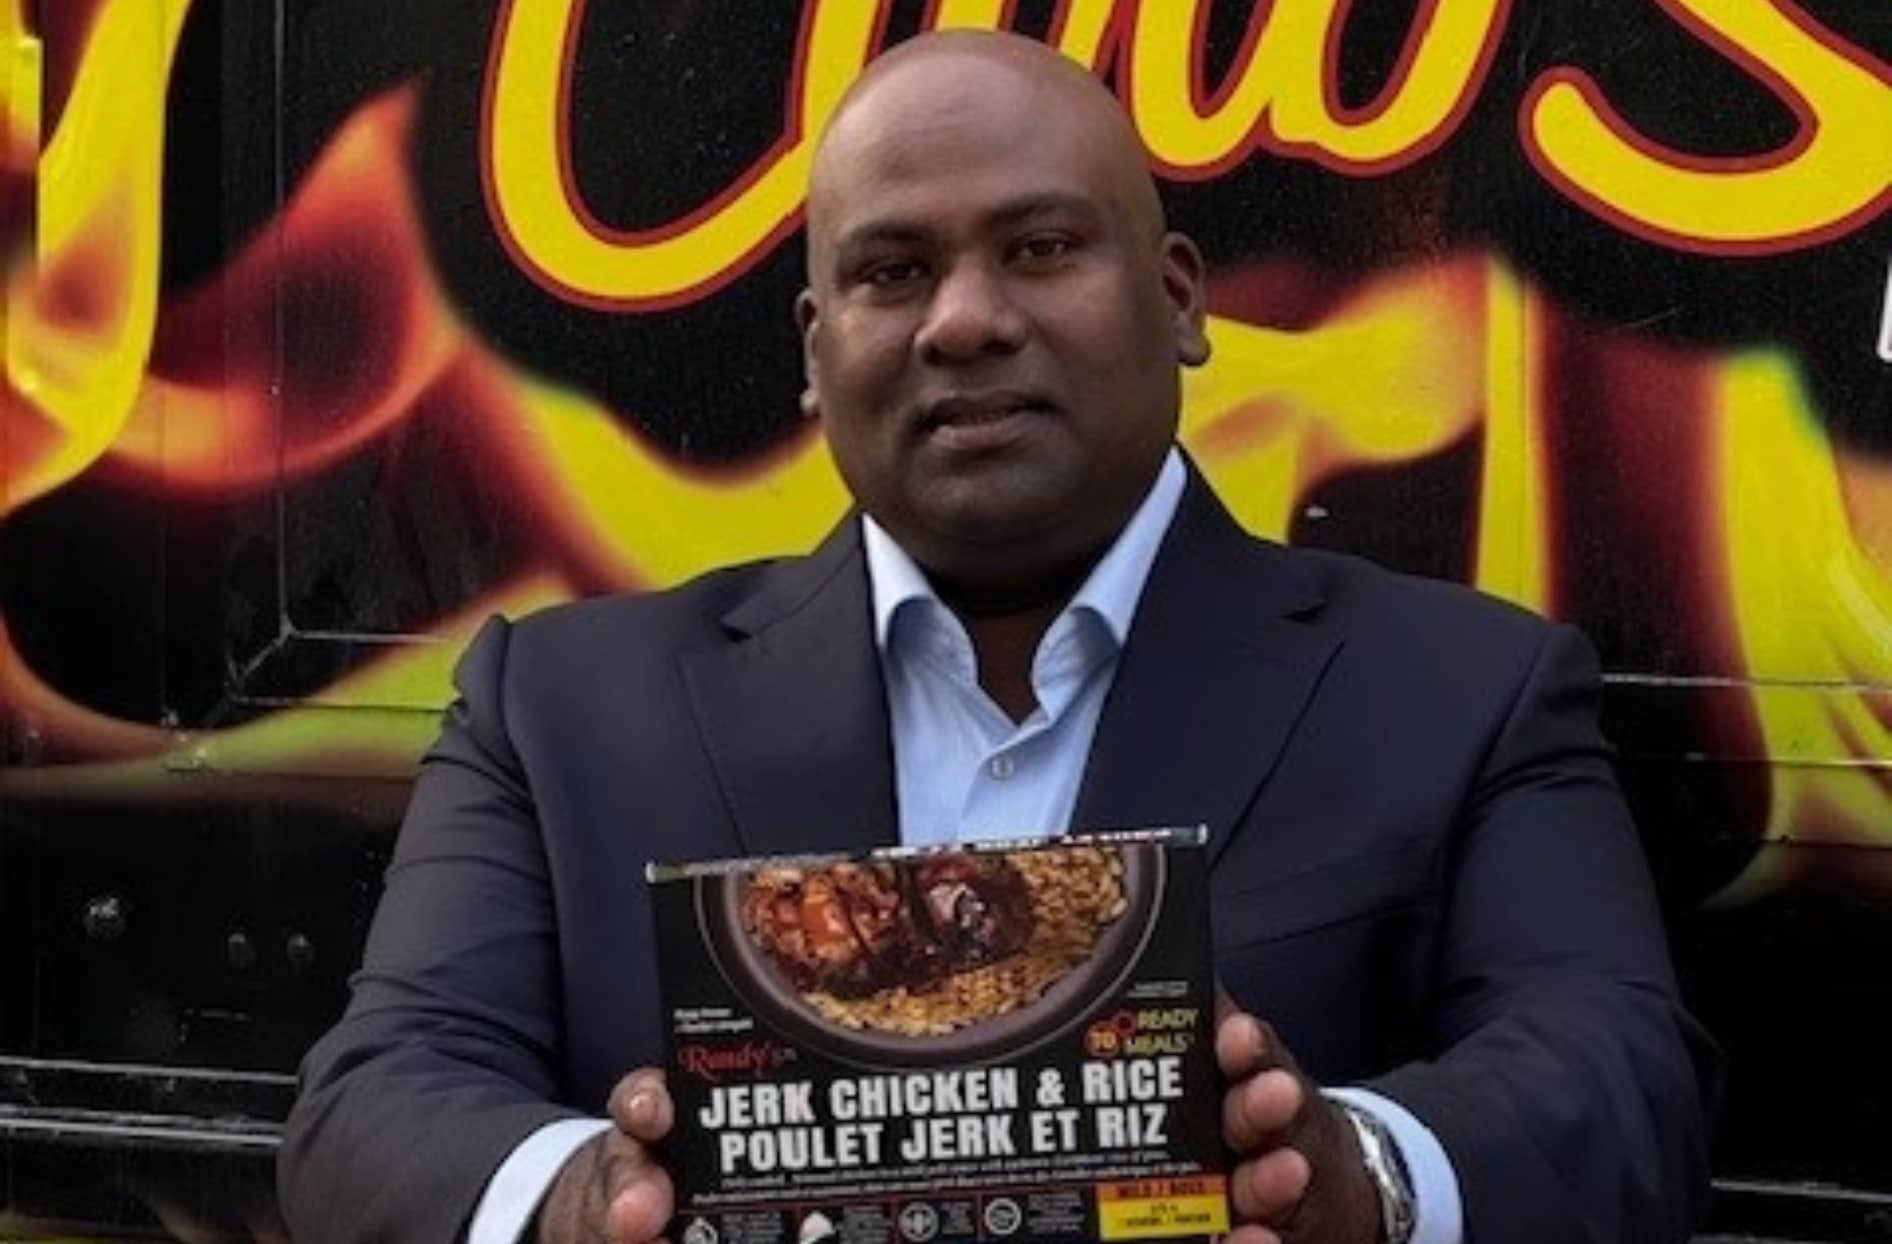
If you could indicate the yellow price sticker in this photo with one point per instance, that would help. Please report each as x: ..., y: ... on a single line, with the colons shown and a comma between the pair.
x: 1147, y: 1209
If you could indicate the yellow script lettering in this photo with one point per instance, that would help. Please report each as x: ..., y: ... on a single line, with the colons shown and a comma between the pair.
x: 1282, y: 90
x: 1831, y: 177
x: 553, y: 238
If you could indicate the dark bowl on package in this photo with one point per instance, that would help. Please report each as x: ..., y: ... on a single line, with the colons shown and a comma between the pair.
x: 776, y: 1001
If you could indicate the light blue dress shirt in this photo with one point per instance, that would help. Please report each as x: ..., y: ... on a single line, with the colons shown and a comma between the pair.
x: 964, y: 770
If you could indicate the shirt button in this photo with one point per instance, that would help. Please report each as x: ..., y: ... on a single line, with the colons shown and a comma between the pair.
x: 1001, y: 767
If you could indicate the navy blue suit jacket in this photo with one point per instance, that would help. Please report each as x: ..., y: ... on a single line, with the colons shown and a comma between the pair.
x: 1423, y: 873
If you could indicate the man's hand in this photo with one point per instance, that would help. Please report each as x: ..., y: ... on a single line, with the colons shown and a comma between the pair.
x: 613, y: 1190
x: 1300, y: 1177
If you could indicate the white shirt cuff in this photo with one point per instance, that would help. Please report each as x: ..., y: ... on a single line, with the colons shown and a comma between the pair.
x: 1438, y: 1214
x: 524, y: 1178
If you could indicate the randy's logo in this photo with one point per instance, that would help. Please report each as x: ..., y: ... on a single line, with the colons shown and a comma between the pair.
x: 752, y: 1058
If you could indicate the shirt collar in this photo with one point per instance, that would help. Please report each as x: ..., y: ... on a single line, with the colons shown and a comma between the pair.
x: 1110, y: 592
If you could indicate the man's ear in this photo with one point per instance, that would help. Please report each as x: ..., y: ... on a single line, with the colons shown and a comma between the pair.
x: 807, y: 319
x: 1183, y: 281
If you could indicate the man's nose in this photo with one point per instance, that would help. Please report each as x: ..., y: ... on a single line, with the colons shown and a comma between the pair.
x: 971, y: 315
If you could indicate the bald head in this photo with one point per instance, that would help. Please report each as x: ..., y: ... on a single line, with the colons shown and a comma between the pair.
x: 1002, y: 80
x: 994, y: 316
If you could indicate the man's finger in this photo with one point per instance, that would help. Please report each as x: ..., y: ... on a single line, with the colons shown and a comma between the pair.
x: 1268, y: 1188
x: 641, y: 1209
x: 1251, y: 1233
x: 651, y: 1114
x: 629, y: 1085
x: 641, y: 1105
x: 1241, y: 1045
x: 1260, y: 1109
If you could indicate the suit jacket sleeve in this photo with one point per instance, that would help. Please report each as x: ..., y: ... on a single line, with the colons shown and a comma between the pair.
x: 446, y: 1056
x: 1572, y: 1091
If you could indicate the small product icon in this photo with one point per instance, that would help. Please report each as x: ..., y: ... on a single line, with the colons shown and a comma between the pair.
x: 699, y: 1232
x: 816, y: 1228
x: 1002, y: 1216
x: 919, y: 1222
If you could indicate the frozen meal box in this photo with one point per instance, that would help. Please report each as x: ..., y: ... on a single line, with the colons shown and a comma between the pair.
x: 1005, y: 1040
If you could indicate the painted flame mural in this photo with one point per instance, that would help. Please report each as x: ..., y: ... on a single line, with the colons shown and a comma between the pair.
x: 1579, y: 444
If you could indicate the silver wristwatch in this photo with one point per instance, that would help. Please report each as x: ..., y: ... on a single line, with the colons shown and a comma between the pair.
x: 1386, y: 1167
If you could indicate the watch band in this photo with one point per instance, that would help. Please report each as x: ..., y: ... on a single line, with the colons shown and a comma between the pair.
x: 1386, y: 1167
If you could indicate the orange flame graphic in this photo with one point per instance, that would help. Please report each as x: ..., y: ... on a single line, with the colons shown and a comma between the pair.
x: 220, y: 410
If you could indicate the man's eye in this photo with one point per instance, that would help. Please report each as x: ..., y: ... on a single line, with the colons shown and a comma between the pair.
x: 1044, y: 246
x: 894, y: 272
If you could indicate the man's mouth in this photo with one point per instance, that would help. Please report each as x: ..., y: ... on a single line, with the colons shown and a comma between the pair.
x: 964, y: 412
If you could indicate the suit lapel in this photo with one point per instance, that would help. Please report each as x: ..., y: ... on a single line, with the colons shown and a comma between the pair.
x: 793, y: 711
x: 1226, y: 650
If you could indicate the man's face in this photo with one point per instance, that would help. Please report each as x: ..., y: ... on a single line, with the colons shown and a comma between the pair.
x: 994, y: 319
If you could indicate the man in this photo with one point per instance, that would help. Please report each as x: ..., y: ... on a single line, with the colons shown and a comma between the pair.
x: 1424, y: 878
